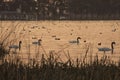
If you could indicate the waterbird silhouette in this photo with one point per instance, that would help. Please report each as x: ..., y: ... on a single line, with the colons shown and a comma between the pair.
x: 105, y: 49
x: 16, y: 46
x: 75, y: 41
x: 37, y: 42
x: 99, y: 43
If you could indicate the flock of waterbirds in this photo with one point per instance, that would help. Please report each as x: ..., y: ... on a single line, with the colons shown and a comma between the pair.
x: 70, y: 42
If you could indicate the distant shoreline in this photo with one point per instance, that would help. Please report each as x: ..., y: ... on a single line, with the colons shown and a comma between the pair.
x: 75, y: 17
x: 64, y: 20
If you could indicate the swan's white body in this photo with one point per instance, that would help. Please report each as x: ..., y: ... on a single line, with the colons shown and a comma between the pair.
x: 14, y: 46
x: 104, y: 49
x: 36, y: 43
x: 73, y: 41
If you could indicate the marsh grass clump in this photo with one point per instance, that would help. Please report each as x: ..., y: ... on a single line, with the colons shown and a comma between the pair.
x: 51, y: 68
x: 3, y: 52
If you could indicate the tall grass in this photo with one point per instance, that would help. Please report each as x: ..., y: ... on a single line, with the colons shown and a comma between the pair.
x: 51, y: 68
x: 6, y: 40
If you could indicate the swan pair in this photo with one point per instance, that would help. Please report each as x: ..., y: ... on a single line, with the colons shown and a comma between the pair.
x: 20, y: 42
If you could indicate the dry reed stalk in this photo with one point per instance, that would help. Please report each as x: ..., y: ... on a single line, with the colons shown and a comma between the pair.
x: 85, y: 57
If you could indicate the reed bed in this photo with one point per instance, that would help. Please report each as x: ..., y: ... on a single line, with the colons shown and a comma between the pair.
x: 51, y: 68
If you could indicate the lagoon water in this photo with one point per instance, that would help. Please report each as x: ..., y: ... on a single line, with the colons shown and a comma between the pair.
x: 56, y: 35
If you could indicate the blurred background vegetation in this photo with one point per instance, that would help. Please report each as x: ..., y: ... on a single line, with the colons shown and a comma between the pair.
x: 64, y: 8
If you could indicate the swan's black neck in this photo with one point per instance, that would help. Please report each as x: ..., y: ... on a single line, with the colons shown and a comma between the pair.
x: 78, y: 40
x: 112, y: 47
x: 39, y: 42
x: 20, y: 42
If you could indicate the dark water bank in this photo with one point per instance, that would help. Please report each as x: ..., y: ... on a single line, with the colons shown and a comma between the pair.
x: 31, y: 17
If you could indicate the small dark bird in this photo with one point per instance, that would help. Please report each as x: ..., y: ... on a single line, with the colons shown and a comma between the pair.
x: 57, y: 38
x: 99, y: 43
x: 84, y: 40
x: 100, y: 33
